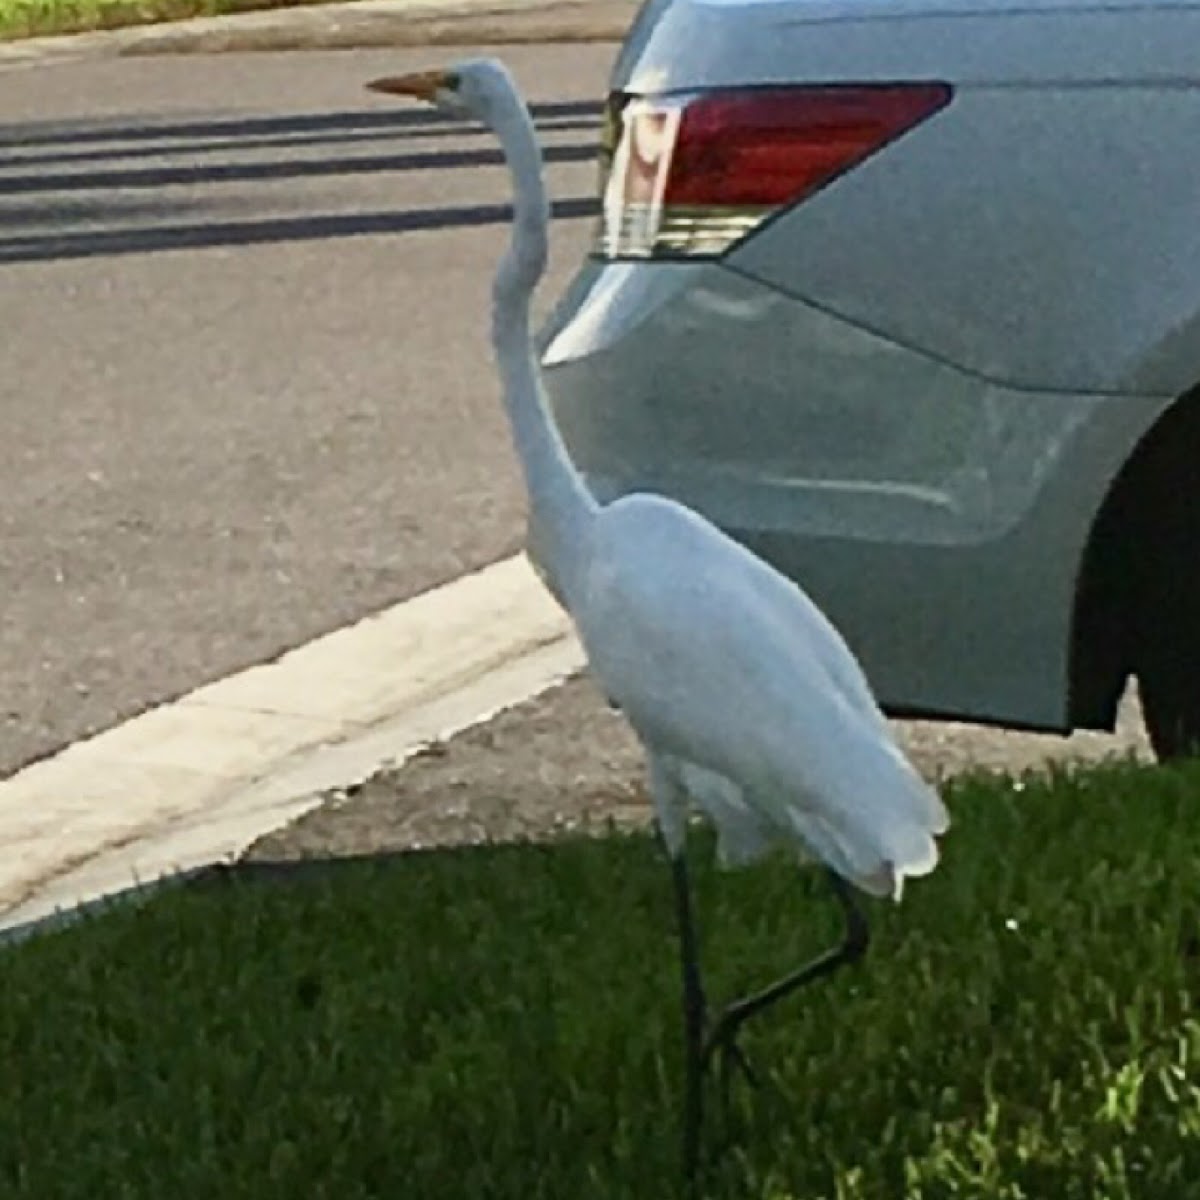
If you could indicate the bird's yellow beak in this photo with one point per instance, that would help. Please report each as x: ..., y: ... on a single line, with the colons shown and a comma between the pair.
x: 423, y: 85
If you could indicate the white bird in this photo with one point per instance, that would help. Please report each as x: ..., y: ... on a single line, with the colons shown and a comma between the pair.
x: 749, y: 705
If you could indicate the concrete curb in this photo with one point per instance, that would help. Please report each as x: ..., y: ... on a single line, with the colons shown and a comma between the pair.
x: 57, y: 909
x: 356, y: 24
x: 197, y: 780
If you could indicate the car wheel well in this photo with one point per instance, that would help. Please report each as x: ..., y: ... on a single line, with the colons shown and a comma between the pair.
x: 1147, y: 523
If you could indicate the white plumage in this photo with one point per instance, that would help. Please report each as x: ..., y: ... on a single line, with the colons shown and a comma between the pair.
x: 748, y: 702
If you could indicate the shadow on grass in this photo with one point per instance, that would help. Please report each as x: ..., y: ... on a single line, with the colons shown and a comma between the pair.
x: 502, y: 1021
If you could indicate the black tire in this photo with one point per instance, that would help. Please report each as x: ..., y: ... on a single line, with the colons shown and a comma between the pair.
x: 1171, y: 709
x: 1155, y: 565
x: 1168, y: 666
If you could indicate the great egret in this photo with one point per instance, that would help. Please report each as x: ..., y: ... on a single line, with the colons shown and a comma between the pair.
x: 750, y: 706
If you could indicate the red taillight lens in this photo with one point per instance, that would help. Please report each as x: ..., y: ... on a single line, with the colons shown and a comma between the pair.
x: 692, y: 175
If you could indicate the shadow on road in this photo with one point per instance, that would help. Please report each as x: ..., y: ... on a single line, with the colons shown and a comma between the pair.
x: 217, y: 137
x: 208, y: 234
x: 325, y: 126
x: 82, y: 207
x: 154, y: 177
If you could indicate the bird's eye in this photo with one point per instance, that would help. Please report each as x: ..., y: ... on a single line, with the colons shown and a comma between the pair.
x: 450, y: 81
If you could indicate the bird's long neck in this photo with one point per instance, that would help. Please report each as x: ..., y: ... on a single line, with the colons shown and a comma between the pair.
x: 561, y: 508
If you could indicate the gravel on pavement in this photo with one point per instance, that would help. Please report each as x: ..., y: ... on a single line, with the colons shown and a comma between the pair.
x: 566, y: 761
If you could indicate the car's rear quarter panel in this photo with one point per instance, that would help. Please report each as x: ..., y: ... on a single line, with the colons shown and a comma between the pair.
x: 973, y: 329
x: 1041, y: 229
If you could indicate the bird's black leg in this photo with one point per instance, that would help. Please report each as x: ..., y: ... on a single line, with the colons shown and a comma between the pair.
x: 693, y: 1020
x: 721, y: 1038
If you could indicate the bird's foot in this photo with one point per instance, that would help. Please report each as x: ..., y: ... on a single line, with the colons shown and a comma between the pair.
x: 722, y: 1049
x: 722, y: 1046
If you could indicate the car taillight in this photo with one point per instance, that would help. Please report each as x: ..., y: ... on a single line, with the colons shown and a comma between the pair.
x: 685, y: 176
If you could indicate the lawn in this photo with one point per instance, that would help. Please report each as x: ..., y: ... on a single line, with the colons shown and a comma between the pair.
x: 33, y: 18
x: 501, y: 1022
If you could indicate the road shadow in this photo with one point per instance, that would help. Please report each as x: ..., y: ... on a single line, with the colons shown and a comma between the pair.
x: 252, y: 172
x: 89, y: 188
x: 45, y: 247
x: 321, y: 126
x: 220, y: 137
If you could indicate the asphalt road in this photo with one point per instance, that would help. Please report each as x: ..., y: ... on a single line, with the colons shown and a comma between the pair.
x: 245, y: 385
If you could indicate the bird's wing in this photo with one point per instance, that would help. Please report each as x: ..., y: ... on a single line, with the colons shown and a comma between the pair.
x: 700, y: 556
x: 655, y: 560
x: 716, y: 665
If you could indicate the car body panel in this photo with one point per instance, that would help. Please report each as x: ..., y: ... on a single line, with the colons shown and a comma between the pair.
x: 682, y: 44
x: 933, y: 245
x: 914, y: 391
x: 950, y: 222
x: 921, y: 480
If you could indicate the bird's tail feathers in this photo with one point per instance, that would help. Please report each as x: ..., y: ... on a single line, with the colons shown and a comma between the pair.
x: 924, y: 797
x: 880, y: 837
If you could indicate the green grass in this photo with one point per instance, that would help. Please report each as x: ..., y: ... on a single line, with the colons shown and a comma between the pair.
x: 502, y: 1022
x: 36, y: 18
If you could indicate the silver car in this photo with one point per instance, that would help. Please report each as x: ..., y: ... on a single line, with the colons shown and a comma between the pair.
x: 905, y: 294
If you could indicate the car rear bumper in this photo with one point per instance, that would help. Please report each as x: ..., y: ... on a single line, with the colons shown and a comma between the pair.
x: 937, y: 516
